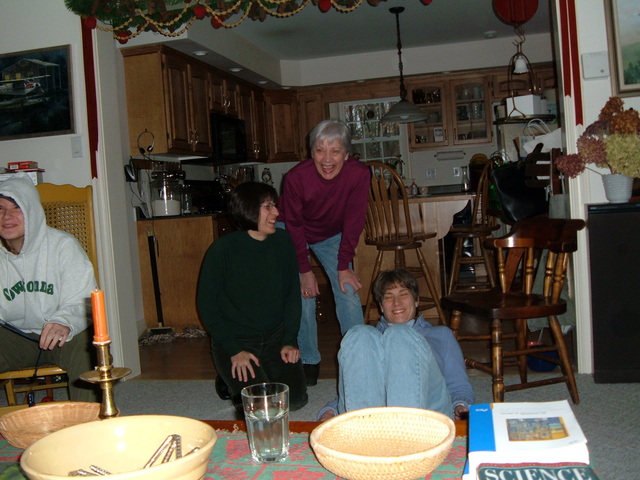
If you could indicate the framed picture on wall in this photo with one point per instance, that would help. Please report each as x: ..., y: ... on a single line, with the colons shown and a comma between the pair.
x: 623, y: 27
x: 36, y: 97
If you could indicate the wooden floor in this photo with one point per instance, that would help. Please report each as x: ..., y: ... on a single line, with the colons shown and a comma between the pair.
x: 190, y: 358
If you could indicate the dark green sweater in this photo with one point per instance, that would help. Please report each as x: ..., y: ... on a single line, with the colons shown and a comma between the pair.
x: 249, y: 287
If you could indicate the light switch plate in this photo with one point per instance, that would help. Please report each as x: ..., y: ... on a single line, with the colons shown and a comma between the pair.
x: 595, y: 65
x: 76, y: 147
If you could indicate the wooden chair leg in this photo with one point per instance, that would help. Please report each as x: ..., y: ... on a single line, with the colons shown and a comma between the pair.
x: 11, y: 394
x: 432, y: 286
x: 497, y: 361
x: 565, y: 362
x: 454, y: 325
x: 376, y: 270
x: 488, y: 263
x: 521, y: 344
x: 455, y: 265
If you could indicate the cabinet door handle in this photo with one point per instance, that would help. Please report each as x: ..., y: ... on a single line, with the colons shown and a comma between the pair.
x: 256, y: 147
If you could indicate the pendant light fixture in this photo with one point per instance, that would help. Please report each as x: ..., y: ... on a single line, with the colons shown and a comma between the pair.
x: 404, y: 111
x: 519, y: 64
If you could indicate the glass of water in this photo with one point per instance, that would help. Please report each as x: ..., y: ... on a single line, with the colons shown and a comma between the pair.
x: 266, y: 411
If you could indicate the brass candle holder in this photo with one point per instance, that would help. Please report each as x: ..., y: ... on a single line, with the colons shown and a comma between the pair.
x: 106, y: 374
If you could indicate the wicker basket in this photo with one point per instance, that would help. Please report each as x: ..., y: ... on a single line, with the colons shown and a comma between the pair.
x: 388, y: 443
x: 24, y: 427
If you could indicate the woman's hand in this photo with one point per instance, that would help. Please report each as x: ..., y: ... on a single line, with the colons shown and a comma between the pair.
x: 289, y: 354
x: 53, y: 334
x: 309, y: 285
x: 350, y: 277
x: 241, y: 365
x: 461, y: 412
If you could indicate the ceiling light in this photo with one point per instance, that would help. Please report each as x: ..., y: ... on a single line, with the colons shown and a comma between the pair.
x: 235, y: 69
x: 490, y: 34
x: 263, y: 82
x: 200, y: 53
x: 404, y: 111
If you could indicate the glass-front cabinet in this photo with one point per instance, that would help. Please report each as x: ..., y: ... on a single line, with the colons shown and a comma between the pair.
x: 472, y: 115
x: 459, y: 113
x: 432, y: 132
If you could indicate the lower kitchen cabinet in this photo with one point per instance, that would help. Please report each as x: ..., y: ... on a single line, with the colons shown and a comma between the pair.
x: 177, y: 246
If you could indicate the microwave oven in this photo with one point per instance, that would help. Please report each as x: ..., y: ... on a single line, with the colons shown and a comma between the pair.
x: 229, y: 138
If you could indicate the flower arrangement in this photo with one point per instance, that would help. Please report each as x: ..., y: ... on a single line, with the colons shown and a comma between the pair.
x: 612, y: 141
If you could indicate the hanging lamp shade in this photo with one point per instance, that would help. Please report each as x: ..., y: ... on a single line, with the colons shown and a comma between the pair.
x: 404, y: 111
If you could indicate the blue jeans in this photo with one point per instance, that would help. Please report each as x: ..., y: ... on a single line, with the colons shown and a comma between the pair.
x: 348, y: 306
x: 393, y: 369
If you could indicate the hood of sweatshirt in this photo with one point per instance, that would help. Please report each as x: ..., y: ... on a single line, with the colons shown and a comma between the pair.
x: 21, y: 189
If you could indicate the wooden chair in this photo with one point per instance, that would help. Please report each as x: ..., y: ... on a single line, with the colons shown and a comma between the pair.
x: 389, y: 228
x: 70, y: 209
x: 482, y: 226
x: 518, y: 255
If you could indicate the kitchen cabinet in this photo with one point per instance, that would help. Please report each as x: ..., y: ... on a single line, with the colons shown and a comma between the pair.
x: 311, y: 110
x: 170, y: 100
x: 178, y: 245
x: 544, y: 77
x: 225, y: 95
x: 282, y: 126
x: 459, y: 113
x: 252, y: 111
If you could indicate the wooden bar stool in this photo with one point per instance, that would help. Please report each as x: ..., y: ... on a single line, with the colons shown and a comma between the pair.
x: 11, y: 381
x: 389, y: 228
x: 482, y: 226
x: 519, y: 255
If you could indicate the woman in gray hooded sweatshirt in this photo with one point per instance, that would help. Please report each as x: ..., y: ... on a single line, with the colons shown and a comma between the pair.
x: 46, y: 280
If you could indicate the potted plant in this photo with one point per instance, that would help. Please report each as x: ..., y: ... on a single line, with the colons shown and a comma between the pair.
x: 611, y: 142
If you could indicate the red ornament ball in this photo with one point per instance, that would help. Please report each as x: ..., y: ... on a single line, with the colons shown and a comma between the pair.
x: 46, y: 399
x: 426, y: 2
x: 324, y: 5
x: 123, y: 36
x: 199, y: 11
x: 90, y: 22
x: 215, y: 22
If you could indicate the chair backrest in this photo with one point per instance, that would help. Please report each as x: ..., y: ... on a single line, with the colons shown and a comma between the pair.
x: 70, y: 209
x: 481, y: 208
x: 519, y: 253
x: 388, y: 218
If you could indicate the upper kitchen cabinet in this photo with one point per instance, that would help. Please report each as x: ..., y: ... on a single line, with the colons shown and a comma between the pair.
x: 544, y: 77
x: 168, y: 96
x: 458, y: 109
x: 225, y: 95
x: 433, y: 132
x: 282, y: 126
x: 311, y: 110
x: 252, y: 111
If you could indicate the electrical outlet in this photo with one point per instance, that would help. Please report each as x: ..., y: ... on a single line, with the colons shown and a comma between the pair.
x: 456, y: 171
x: 431, y: 173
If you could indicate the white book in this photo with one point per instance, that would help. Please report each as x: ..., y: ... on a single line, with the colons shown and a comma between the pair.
x: 526, y: 432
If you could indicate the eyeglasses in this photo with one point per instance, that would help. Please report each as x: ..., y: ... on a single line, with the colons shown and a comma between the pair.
x: 269, y: 205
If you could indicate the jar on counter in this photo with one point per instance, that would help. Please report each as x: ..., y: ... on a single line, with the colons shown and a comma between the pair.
x: 166, y: 194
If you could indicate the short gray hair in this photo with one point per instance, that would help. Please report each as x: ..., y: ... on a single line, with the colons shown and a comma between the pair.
x: 331, y: 130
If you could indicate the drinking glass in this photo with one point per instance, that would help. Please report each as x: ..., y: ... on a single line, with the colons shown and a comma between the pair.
x: 266, y: 411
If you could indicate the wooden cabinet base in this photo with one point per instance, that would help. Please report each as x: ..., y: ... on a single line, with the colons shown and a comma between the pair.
x: 178, y: 246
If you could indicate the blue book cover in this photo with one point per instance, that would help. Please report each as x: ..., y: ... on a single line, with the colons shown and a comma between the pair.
x: 546, y: 432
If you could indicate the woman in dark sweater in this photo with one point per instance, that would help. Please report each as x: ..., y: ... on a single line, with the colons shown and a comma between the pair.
x: 249, y: 298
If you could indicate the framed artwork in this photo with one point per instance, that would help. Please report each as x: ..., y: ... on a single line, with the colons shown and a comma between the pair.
x: 623, y: 28
x: 36, y: 97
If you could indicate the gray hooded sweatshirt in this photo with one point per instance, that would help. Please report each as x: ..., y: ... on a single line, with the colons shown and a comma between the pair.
x: 51, y: 279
